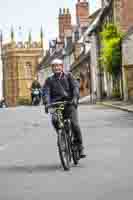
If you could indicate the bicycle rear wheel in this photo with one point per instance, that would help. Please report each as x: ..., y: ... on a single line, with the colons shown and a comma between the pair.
x: 63, y: 149
x: 74, y: 147
x: 75, y: 150
x: 75, y: 154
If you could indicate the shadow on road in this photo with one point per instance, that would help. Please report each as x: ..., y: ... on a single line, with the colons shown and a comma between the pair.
x: 40, y: 168
x: 30, y: 168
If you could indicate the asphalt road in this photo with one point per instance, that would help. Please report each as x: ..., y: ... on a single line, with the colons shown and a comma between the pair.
x: 30, y: 167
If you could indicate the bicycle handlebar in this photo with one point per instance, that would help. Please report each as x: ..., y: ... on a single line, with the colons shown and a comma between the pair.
x: 58, y: 103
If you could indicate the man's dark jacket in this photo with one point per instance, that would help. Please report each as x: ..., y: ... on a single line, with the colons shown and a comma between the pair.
x: 58, y: 88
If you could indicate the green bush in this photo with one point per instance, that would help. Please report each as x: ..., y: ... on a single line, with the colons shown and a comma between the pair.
x: 111, y: 50
x: 23, y: 101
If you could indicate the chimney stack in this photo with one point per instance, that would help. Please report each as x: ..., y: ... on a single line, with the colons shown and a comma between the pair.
x: 82, y: 13
x: 64, y: 22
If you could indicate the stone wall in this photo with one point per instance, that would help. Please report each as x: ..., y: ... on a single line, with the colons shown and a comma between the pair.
x: 128, y: 83
x: 123, y: 14
x: 127, y: 64
x: 127, y: 50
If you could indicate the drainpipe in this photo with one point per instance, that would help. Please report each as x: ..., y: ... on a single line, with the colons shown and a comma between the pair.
x: 98, y: 68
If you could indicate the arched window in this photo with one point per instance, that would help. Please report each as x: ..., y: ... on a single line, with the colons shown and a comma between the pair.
x: 28, y: 70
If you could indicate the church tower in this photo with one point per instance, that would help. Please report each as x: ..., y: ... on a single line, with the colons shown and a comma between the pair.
x: 20, y: 61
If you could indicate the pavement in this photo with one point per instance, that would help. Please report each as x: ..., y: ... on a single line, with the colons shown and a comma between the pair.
x: 84, y: 100
x: 122, y: 105
x: 125, y: 106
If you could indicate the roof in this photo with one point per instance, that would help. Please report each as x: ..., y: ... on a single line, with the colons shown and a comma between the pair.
x: 92, y: 27
x: 96, y: 22
x: 94, y: 14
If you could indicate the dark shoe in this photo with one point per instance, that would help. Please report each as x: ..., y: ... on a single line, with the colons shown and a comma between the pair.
x: 81, y: 153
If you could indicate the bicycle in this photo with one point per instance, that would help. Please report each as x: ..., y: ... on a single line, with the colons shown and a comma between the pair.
x: 68, y: 149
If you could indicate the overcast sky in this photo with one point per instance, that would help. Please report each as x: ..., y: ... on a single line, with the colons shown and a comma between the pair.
x: 31, y: 14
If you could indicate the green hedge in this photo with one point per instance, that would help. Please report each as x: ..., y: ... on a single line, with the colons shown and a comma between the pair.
x: 23, y: 101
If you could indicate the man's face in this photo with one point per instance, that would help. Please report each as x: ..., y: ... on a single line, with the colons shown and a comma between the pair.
x: 57, y: 68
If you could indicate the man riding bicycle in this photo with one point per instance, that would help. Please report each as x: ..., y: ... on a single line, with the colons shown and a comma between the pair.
x: 63, y: 87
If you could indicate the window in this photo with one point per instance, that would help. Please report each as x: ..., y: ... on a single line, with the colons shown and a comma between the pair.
x: 28, y: 70
x: 76, y: 35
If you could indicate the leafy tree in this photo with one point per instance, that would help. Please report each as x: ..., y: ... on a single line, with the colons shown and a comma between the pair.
x: 111, y: 57
x: 110, y: 31
x: 111, y: 50
x: 111, y: 54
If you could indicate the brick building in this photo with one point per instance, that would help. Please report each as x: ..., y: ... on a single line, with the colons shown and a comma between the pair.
x: 123, y: 10
x: 65, y: 25
x: 118, y: 12
x: 82, y: 13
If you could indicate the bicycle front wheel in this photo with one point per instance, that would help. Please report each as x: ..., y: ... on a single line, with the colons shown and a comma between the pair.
x: 63, y: 149
x: 75, y: 154
x: 75, y: 150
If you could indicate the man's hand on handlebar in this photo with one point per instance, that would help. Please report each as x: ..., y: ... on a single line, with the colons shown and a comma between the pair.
x: 75, y: 102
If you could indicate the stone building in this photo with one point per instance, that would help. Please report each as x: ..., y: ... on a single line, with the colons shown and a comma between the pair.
x: 81, y: 70
x: 75, y: 58
x: 20, y: 61
x: 1, y: 79
x: 122, y: 11
x: 118, y: 12
x: 127, y: 65
x: 1, y: 68
x: 56, y: 46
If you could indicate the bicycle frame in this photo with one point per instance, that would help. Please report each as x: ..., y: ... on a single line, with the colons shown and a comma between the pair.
x: 64, y: 133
